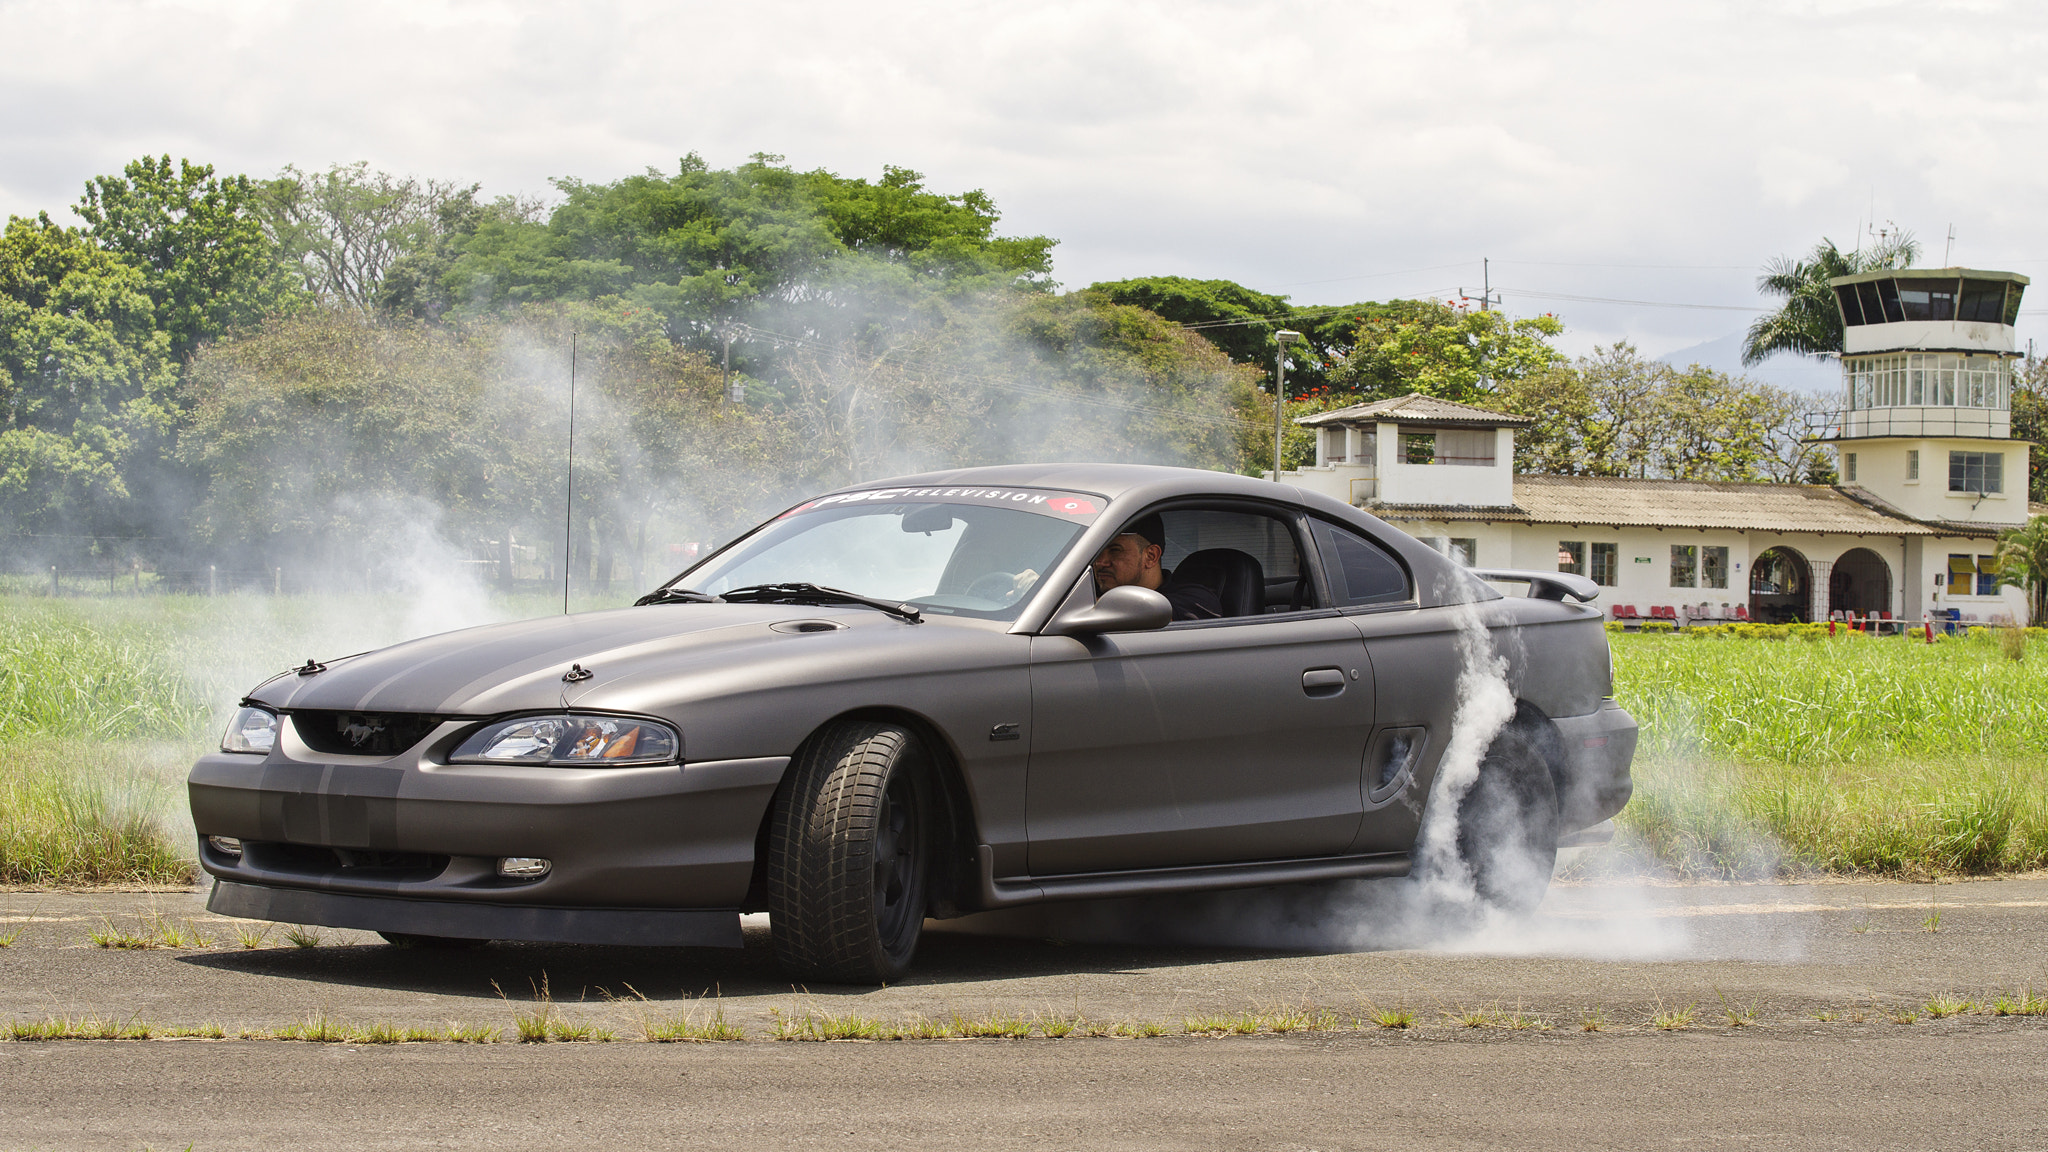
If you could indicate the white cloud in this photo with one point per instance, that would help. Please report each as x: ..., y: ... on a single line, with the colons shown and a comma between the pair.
x: 1277, y: 144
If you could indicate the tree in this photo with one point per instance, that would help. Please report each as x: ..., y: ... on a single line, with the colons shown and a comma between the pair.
x: 1809, y: 321
x: 208, y: 265
x: 345, y: 228
x: 2023, y: 563
x: 2030, y: 423
x: 1438, y: 350
x: 812, y: 253
x: 85, y: 381
x: 1241, y: 321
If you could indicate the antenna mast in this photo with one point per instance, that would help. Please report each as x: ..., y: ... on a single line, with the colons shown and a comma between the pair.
x: 569, y: 479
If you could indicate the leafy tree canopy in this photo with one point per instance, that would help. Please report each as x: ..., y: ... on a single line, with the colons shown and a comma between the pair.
x: 208, y: 264
x: 828, y: 253
x: 1241, y: 321
x: 1435, y: 349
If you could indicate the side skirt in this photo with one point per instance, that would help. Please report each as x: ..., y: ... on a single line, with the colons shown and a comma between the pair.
x: 1013, y: 892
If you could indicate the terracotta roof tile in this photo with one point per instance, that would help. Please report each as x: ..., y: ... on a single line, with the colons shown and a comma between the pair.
x: 1418, y: 409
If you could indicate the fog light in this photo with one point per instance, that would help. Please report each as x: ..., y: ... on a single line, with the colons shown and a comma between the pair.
x: 523, y: 867
x: 225, y: 845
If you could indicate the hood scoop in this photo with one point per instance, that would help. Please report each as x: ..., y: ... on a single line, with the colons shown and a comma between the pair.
x: 799, y: 627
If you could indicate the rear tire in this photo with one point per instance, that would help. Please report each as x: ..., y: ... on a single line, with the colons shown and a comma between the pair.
x: 1508, y: 821
x: 848, y: 855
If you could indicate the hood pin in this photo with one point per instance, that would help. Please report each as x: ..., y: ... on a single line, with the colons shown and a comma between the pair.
x: 577, y: 674
x: 311, y: 667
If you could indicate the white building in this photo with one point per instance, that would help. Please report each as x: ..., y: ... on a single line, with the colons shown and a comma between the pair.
x: 1930, y: 475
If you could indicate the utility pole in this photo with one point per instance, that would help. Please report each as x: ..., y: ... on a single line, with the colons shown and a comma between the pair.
x: 1486, y: 297
x: 1281, y: 340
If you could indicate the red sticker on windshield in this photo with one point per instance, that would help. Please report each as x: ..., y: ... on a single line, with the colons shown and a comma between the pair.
x: 1071, y: 505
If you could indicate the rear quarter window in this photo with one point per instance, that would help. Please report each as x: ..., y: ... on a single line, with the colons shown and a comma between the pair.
x: 1359, y: 569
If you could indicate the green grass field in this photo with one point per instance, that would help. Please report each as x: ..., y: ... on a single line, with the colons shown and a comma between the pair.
x: 1849, y: 755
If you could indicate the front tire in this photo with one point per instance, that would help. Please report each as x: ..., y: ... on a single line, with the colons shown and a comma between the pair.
x: 1508, y: 820
x: 848, y: 855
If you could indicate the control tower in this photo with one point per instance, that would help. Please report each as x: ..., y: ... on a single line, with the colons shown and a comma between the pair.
x: 1929, y: 359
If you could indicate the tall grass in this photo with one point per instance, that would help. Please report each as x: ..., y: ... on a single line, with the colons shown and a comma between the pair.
x: 1848, y: 755
x: 78, y: 812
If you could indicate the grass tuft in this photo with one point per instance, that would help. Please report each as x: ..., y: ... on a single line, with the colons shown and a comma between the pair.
x: 302, y: 936
x: 1595, y: 1020
x: 1947, y: 1005
x: 1674, y: 1019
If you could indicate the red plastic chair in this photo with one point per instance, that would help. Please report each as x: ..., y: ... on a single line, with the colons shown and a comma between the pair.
x: 1742, y: 613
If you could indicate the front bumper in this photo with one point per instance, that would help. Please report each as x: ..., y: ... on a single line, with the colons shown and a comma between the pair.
x: 412, y: 846
x: 1595, y: 783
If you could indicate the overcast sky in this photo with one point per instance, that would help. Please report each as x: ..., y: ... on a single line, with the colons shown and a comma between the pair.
x: 1644, y: 152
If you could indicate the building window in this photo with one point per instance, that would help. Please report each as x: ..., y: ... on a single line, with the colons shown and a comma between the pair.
x: 1571, y: 557
x: 1685, y: 562
x: 1987, y: 575
x: 1912, y: 463
x: 1464, y: 550
x: 1849, y: 467
x: 1714, y: 567
x: 1418, y: 447
x: 1605, y: 564
x: 1979, y: 472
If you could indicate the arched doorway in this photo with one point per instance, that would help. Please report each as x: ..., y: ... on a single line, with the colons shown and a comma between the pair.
x: 1777, y: 587
x: 1860, y: 583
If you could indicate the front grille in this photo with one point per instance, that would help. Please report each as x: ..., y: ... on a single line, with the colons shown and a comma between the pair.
x: 362, y: 733
x: 359, y: 863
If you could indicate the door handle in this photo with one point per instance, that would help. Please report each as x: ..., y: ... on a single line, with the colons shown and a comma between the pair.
x: 1323, y: 681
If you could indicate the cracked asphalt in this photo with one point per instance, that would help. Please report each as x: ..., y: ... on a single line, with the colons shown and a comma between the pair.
x: 1820, y: 973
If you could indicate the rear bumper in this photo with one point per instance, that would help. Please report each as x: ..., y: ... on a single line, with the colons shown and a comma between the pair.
x: 1595, y: 783
x: 699, y: 927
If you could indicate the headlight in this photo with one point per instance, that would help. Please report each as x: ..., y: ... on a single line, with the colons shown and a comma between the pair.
x: 251, y: 730
x: 571, y: 741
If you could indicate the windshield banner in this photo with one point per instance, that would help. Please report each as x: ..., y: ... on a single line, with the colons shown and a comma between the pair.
x: 1079, y: 507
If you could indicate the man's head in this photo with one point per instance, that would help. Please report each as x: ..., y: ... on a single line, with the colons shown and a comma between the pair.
x: 1133, y: 557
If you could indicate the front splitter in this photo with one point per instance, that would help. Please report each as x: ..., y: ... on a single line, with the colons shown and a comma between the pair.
x: 655, y: 927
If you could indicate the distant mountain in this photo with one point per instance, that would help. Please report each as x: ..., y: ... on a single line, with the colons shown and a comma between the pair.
x: 1786, y: 369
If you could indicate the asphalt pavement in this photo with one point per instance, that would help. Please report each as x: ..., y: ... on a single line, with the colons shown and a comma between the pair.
x: 1791, y: 999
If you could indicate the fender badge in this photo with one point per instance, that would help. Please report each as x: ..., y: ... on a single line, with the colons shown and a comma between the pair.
x: 577, y: 674
x: 311, y: 667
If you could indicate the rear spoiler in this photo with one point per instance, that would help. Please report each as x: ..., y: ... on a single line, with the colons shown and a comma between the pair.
x: 1544, y: 585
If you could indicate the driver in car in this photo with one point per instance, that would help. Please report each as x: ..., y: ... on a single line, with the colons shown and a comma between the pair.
x: 1133, y: 558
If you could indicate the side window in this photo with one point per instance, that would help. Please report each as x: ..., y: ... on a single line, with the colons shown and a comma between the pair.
x: 1359, y: 570
x: 1250, y: 561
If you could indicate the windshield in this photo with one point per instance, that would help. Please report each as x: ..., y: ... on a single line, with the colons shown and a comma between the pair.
x: 958, y: 551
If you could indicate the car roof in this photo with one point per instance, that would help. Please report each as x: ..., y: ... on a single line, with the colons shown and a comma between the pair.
x: 1110, y: 480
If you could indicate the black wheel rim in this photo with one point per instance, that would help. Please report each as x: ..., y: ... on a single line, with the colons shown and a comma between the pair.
x: 898, y: 869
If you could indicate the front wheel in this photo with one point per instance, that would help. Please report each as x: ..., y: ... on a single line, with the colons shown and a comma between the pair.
x: 848, y: 853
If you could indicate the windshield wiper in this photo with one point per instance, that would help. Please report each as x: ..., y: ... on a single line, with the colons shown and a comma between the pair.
x: 676, y: 596
x: 816, y: 594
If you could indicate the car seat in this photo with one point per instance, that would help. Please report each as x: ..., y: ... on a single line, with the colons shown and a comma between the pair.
x: 1236, y: 577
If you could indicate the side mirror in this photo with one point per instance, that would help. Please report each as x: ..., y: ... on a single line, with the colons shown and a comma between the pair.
x: 1126, y: 609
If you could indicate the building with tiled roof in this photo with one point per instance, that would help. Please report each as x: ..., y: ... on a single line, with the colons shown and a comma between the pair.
x: 1930, y: 477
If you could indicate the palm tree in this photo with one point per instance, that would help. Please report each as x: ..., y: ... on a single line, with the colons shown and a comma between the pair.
x: 1808, y: 322
x: 2023, y: 563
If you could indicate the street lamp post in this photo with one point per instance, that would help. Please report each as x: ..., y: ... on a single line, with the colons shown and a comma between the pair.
x: 1281, y: 340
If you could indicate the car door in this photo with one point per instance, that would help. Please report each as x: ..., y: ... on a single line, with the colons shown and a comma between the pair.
x: 1203, y: 742
x: 1415, y: 651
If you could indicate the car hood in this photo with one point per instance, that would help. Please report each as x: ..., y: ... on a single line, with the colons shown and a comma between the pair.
x: 528, y: 664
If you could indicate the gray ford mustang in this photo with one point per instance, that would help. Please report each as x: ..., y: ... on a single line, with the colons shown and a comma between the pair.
x: 907, y: 700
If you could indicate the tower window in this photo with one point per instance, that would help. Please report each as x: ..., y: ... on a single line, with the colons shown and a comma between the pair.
x: 1912, y: 463
x: 1980, y: 472
x: 1849, y: 467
